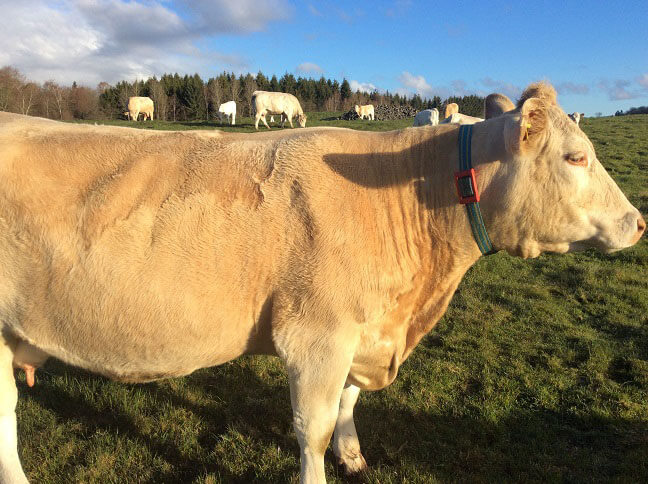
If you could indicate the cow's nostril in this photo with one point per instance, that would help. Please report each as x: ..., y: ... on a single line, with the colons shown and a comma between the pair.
x: 641, y: 224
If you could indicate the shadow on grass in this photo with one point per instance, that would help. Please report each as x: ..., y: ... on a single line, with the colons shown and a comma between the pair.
x: 236, y: 410
x: 529, y: 445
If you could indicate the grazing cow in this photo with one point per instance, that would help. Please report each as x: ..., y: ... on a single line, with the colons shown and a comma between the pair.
x: 427, y: 116
x: 451, y: 108
x: 366, y: 111
x: 228, y: 110
x: 265, y: 102
x: 137, y: 105
x: 575, y: 117
x: 458, y: 118
x: 336, y: 250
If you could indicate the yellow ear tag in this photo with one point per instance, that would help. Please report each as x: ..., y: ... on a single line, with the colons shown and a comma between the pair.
x: 526, y: 131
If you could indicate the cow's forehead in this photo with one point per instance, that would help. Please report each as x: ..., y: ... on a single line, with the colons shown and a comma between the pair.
x: 568, y: 132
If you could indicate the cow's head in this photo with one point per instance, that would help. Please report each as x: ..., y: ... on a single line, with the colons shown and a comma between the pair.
x: 550, y: 192
x: 301, y: 119
x: 356, y: 108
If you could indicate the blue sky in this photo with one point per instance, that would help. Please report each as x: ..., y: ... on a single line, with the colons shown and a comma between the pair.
x: 595, y: 53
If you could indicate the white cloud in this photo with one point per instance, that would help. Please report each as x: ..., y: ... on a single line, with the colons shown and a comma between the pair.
x: 412, y: 84
x: 418, y: 84
x: 617, y: 90
x: 109, y: 40
x: 309, y: 67
x: 236, y: 16
x: 362, y: 86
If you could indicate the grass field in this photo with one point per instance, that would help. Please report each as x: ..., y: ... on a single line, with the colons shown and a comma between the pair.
x: 538, y: 372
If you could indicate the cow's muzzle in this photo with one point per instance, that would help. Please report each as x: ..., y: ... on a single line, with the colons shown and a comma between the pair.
x: 641, y: 228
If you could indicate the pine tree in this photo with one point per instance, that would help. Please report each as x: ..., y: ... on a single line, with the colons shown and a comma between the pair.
x: 345, y: 90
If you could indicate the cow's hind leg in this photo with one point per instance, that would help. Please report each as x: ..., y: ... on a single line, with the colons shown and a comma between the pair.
x: 10, y: 469
x: 346, y: 445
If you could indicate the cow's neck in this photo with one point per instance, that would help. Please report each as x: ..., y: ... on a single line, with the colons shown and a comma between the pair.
x: 448, y: 249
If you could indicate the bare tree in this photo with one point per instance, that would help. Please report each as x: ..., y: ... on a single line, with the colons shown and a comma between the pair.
x: 27, y: 97
x: 83, y: 101
x: 160, y: 99
x: 334, y: 102
x: 235, y: 89
x: 249, y: 86
x: 124, y: 94
x: 55, y: 94
x: 214, y: 93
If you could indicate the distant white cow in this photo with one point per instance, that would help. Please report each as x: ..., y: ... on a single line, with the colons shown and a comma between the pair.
x: 427, y: 116
x: 140, y: 105
x: 228, y: 110
x: 265, y: 102
x: 575, y: 117
x: 458, y: 118
x: 365, y: 111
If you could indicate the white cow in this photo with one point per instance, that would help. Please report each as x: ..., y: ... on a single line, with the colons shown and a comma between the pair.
x: 228, y: 110
x: 140, y: 105
x: 265, y: 102
x: 366, y: 111
x: 458, y: 118
x: 575, y: 117
x: 427, y: 116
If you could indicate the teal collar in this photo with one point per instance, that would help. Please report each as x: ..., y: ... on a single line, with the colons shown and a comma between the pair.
x: 467, y: 190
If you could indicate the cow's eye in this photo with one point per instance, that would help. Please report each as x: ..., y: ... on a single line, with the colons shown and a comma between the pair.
x: 579, y: 158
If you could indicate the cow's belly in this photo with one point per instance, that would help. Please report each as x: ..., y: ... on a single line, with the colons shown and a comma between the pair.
x: 125, y: 348
x: 138, y: 318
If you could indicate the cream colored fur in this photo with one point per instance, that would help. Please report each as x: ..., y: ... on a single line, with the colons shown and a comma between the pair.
x: 497, y: 104
x: 458, y: 118
x: 451, y: 108
x: 140, y: 105
x: 366, y: 111
x: 284, y: 104
x: 142, y: 255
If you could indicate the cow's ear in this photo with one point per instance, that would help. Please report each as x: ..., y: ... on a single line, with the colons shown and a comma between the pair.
x: 524, y: 132
x: 497, y: 104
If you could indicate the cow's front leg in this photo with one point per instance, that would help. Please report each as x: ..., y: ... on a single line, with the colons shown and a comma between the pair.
x: 316, y: 383
x: 10, y: 469
x: 346, y: 445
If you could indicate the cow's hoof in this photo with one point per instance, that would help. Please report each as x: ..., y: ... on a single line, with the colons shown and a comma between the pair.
x: 353, y: 463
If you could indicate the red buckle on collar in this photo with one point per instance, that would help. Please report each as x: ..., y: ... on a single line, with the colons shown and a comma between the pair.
x: 466, y: 186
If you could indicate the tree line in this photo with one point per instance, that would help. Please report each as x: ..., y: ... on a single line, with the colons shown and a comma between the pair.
x: 191, y: 98
x: 639, y: 110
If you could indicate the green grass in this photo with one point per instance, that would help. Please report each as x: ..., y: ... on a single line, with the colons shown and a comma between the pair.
x: 538, y: 372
